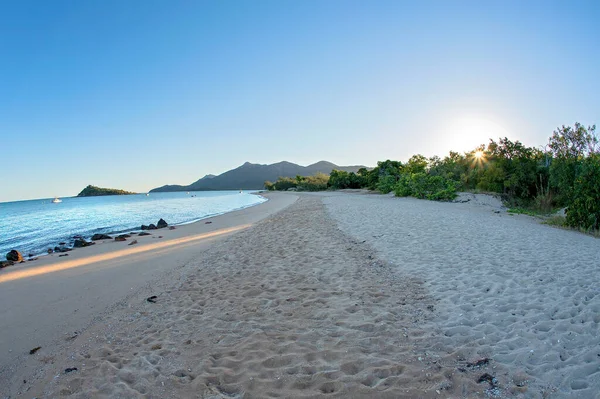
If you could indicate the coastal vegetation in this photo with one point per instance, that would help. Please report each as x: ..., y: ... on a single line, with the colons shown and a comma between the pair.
x: 565, y: 173
x: 93, y: 191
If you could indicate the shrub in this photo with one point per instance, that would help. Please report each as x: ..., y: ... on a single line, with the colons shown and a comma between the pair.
x: 318, y: 182
x: 584, y: 209
x: 424, y: 186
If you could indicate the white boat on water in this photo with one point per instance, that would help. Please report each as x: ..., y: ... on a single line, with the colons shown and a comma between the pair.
x: 56, y: 200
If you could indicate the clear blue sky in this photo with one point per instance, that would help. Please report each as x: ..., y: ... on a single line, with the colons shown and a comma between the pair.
x: 137, y: 94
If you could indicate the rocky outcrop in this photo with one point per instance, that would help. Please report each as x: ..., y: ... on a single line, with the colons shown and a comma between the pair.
x: 6, y: 263
x: 14, y: 256
x: 97, y: 237
x: 162, y: 224
x: 80, y: 243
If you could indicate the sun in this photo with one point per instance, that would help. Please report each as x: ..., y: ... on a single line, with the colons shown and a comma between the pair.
x: 479, y: 155
x: 464, y: 133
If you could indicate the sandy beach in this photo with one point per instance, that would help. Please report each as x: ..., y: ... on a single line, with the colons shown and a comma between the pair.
x: 341, y: 295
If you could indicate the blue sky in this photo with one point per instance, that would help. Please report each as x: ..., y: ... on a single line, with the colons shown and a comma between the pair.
x: 137, y: 94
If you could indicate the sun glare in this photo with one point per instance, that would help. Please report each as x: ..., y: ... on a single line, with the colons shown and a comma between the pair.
x: 478, y: 154
x: 465, y: 133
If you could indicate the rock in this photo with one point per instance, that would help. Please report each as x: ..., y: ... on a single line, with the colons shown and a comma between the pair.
x: 6, y: 263
x: 30, y: 255
x: 37, y: 348
x: 61, y: 255
x: 50, y: 250
x: 151, y: 227
x: 14, y: 256
x: 70, y: 369
x: 97, y: 237
x: 171, y: 227
x: 120, y: 238
x: 124, y: 235
x: 161, y: 224
x: 143, y: 233
x: 132, y: 242
x: 144, y: 227
x: 80, y: 243
x: 61, y: 249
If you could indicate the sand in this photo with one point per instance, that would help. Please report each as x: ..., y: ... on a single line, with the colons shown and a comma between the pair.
x: 505, y: 287
x: 344, y: 295
x: 49, y: 301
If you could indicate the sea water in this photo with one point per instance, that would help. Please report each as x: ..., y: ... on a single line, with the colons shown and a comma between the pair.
x: 33, y: 226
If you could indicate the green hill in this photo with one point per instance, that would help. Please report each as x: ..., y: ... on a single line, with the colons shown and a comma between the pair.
x: 92, y: 191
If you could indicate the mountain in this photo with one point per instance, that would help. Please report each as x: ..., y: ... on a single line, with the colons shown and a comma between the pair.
x: 251, y: 176
x: 93, y: 191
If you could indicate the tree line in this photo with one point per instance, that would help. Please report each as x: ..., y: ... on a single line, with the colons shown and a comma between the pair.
x: 564, y: 173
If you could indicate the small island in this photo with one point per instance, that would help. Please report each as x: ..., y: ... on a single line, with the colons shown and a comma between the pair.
x: 93, y: 191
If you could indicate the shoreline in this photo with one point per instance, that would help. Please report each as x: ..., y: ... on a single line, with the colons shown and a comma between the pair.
x: 36, y: 256
x: 57, y: 296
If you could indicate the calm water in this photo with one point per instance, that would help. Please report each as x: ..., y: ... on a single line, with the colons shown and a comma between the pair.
x: 36, y: 225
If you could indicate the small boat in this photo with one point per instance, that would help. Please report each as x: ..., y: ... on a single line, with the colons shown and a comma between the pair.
x: 56, y: 200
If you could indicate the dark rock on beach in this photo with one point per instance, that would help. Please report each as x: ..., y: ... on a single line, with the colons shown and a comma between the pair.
x: 162, y: 224
x: 151, y: 227
x: 96, y: 237
x: 61, y: 249
x: 6, y: 263
x: 14, y: 256
x: 120, y: 238
x: 144, y: 227
x: 80, y: 243
x: 143, y: 233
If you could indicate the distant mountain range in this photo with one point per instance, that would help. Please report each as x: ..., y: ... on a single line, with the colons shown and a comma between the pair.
x: 251, y: 176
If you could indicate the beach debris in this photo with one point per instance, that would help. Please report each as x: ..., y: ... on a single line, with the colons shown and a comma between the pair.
x: 161, y: 224
x: 70, y: 369
x: 133, y: 242
x: 14, y: 256
x: 479, y: 363
x: 207, y: 222
x: 6, y: 263
x: 61, y: 255
x: 172, y: 227
x: 80, y: 243
x: 152, y: 299
x: 120, y: 238
x: 143, y: 233
x: 97, y: 237
x: 489, y: 379
x: 37, y: 348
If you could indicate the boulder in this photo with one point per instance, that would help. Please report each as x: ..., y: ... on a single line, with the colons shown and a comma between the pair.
x: 80, y: 243
x: 14, y: 256
x: 144, y: 227
x: 97, y: 237
x: 151, y: 227
x: 120, y: 238
x: 143, y: 233
x: 161, y: 224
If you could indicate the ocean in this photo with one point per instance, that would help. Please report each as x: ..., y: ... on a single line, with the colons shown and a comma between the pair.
x: 33, y: 226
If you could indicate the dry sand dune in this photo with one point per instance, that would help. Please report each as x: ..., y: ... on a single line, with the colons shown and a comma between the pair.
x: 291, y: 308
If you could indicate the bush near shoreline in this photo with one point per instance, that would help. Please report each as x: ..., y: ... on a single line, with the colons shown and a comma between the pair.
x: 565, y: 174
